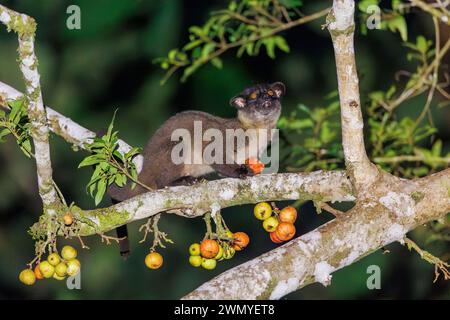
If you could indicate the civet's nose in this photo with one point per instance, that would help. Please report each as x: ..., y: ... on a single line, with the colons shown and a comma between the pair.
x: 266, y: 104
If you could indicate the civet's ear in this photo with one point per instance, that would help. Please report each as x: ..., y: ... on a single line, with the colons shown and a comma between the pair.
x: 278, y: 88
x: 238, y: 102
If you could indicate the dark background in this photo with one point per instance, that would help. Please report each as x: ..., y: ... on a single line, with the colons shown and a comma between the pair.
x: 86, y: 74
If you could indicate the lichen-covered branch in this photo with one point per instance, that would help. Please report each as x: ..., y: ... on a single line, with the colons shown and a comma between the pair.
x: 196, y: 200
x: 69, y: 130
x: 25, y: 27
x: 342, y: 26
x: 395, y: 207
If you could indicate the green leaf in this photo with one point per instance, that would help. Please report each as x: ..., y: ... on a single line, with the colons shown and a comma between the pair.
x: 191, y: 45
x: 120, y: 180
x: 281, y: 44
x: 4, y: 133
x: 189, y: 71
x: 437, y: 148
x: 101, y: 189
x: 232, y: 6
x: 217, y: 62
x: 422, y: 44
x: 25, y: 146
x: 207, y: 49
x: 398, y: 24
x: 110, y: 127
x: 90, y: 160
x: 270, y: 47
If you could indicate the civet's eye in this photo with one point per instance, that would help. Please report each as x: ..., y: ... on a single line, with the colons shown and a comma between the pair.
x: 253, y: 95
x: 270, y: 93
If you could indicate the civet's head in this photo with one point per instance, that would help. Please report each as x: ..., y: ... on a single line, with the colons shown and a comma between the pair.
x: 260, y: 105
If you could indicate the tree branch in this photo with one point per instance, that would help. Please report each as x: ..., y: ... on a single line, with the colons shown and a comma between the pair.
x: 196, y: 200
x: 396, y: 206
x: 25, y: 27
x: 341, y: 26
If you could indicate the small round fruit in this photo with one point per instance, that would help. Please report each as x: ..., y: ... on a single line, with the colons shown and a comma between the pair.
x: 68, y: 219
x: 219, y: 254
x: 285, y: 231
x: 288, y: 214
x: 61, y: 269
x: 73, y: 267
x: 154, y: 260
x: 57, y: 277
x: 274, y: 238
x: 38, y: 273
x: 195, y: 261
x: 68, y: 253
x: 209, y: 248
x: 241, y: 240
x: 194, y: 249
x: 228, y: 253
x: 47, y: 269
x: 54, y: 259
x: 27, y: 277
x: 262, y: 211
x: 270, y: 224
x: 209, y: 264
x: 255, y: 165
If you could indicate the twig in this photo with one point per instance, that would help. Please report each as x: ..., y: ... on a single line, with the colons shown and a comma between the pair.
x: 335, y: 212
x: 83, y: 246
x: 108, y: 239
x: 440, y: 267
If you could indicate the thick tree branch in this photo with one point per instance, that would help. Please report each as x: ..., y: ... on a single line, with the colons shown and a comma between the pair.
x: 25, y: 27
x: 341, y: 26
x: 193, y: 201
x: 395, y: 207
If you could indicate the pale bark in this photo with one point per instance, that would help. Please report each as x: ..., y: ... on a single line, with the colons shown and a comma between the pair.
x: 396, y: 206
x: 194, y: 201
x: 341, y: 26
x: 25, y: 27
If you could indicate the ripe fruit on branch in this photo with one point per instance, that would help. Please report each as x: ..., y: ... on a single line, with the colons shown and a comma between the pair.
x: 68, y: 253
x: 73, y: 267
x: 209, y: 264
x: 38, y: 273
x: 219, y: 254
x: 262, y: 211
x: 195, y: 261
x: 61, y: 269
x: 240, y: 240
x: 154, y: 260
x: 57, y: 277
x: 285, y: 231
x: 68, y: 219
x: 255, y: 165
x: 209, y: 248
x: 194, y: 249
x: 47, y: 269
x: 288, y: 214
x: 274, y: 238
x: 228, y: 253
x: 54, y: 259
x: 270, y: 224
x: 27, y: 277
